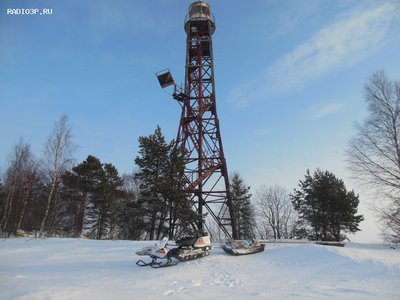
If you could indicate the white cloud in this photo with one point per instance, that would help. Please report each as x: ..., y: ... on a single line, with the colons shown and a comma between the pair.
x: 349, y: 40
x: 346, y: 42
x: 292, y: 16
x: 326, y: 110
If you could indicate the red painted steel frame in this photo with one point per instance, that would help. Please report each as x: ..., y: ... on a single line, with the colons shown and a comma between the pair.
x: 199, y: 136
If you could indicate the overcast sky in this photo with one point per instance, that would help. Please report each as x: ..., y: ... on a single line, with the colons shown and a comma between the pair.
x: 289, y: 79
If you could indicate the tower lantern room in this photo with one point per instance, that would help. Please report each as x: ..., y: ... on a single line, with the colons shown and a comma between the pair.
x: 199, y: 19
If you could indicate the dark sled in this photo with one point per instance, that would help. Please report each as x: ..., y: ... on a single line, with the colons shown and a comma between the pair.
x: 243, y: 247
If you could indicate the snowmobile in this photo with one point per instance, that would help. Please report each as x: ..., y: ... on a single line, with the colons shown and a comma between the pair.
x: 243, y: 247
x: 187, y: 248
x: 158, y: 253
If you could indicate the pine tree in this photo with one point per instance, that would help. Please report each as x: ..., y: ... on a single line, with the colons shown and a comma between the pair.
x: 88, y: 176
x: 152, y: 163
x: 71, y: 204
x: 96, y: 186
x: 164, y: 205
x: 105, y: 199
x: 324, y: 204
x: 243, y: 209
x: 130, y: 216
x: 181, y: 214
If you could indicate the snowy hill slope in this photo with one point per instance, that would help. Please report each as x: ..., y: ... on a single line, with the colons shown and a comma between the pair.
x: 89, y: 269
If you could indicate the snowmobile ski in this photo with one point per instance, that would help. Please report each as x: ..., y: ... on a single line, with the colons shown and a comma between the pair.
x: 157, y: 263
x: 243, y: 247
x: 159, y: 254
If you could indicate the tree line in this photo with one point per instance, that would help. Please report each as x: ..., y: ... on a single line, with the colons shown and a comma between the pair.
x: 52, y: 196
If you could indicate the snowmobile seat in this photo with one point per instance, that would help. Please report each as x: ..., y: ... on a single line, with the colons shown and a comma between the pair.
x: 187, y: 241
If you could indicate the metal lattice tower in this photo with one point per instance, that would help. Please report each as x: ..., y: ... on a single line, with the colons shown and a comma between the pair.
x: 199, y: 136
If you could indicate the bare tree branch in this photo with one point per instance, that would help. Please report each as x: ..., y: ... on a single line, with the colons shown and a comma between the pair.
x: 58, y: 157
x: 374, y: 152
x: 275, y: 211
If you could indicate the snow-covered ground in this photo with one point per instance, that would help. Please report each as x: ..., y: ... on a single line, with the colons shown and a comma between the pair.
x: 89, y: 269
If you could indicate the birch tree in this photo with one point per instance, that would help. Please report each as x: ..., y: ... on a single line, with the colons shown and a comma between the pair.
x: 58, y: 153
x: 374, y: 151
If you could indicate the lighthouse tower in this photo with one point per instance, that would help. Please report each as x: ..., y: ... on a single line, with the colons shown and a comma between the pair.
x: 199, y: 135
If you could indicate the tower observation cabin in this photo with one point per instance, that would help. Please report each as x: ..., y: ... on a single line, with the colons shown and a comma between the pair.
x: 199, y: 19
